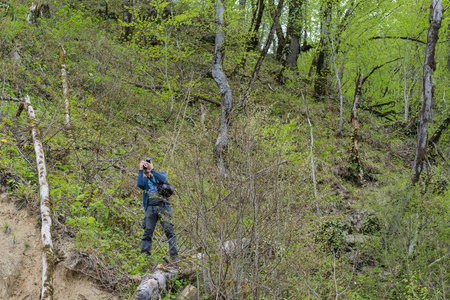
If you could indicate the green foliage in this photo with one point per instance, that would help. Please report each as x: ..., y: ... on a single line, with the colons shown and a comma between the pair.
x: 299, y: 243
x: 332, y: 234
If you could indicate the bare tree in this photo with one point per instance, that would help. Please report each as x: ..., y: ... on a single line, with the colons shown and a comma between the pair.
x: 428, y: 86
x: 224, y: 88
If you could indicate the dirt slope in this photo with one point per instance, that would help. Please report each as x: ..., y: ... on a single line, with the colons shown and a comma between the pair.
x: 21, y: 261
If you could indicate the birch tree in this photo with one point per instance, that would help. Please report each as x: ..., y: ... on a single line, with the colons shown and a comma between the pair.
x: 65, y: 89
x: 46, y: 219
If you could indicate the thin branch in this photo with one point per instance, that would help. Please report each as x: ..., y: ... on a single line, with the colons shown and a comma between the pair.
x: 398, y: 38
x: 312, y: 154
x: 379, y: 66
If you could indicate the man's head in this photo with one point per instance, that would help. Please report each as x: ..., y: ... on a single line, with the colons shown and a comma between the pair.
x: 148, y: 166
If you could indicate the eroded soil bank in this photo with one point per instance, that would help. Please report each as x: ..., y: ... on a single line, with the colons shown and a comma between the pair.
x: 21, y: 260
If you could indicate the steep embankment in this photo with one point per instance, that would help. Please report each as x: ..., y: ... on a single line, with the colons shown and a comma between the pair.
x: 20, y: 260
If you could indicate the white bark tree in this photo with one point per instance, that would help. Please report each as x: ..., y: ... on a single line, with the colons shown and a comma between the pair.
x: 65, y: 89
x: 429, y: 66
x: 46, y: 218
x: 221, y: 79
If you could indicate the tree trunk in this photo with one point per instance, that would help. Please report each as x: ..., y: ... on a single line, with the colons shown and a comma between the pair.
x: 127, y: 19
x: 224, y: 88
x: 356, y: 168
x: 338, y: 80
x: 242, y: 4
x: 46, y: 219
x: 323, y: 58
x: 254, y: 42
x: 281, y: 41
x: 294, y: 32
x: 294, y: 50
x: 264, y: 51
x: 428, y: 86
x: 65, y: 90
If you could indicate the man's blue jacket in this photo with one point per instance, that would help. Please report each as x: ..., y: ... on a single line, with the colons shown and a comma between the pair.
x: 150, y: 185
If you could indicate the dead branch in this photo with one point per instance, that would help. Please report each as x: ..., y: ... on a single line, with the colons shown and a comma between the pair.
x: 12, y: 99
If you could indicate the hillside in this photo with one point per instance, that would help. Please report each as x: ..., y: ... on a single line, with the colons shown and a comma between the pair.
x: 307, y: 216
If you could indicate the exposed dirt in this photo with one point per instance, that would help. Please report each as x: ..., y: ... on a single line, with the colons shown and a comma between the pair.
x: 21, y: 261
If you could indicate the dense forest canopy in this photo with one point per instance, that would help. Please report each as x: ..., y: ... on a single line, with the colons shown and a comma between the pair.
x: 307, y: 141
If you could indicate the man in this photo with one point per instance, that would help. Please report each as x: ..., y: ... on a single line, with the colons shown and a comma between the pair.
x: 156, y: 208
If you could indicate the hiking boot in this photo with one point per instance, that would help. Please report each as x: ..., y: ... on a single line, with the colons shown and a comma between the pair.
x: 174, y: 262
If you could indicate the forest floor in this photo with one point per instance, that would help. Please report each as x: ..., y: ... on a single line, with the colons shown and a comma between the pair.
x: 21, y: 260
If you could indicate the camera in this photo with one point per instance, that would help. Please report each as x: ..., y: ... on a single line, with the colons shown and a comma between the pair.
x: 149, y: 160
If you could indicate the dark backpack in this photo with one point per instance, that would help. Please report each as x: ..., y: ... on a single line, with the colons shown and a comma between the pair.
x: 165, y: 189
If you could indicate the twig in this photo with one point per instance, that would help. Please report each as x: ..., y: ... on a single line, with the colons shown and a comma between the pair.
x: 437, y: 260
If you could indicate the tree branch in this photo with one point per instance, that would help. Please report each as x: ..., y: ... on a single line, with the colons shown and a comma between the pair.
x: 397, y: 38
x: 377, y: 67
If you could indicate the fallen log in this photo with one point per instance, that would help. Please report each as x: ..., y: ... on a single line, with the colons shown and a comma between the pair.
x: 152, y: 284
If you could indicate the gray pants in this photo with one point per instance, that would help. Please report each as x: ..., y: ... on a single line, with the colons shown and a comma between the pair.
x: 164, y: 214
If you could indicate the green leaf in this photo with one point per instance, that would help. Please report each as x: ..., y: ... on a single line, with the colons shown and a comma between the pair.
x: 76, y: 203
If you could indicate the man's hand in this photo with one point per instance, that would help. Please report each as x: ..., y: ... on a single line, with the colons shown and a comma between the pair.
x: 147, y: 167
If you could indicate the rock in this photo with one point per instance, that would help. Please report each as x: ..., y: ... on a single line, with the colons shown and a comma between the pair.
x: 82, y: 297
x: 353, y: 239
x: 189, y: 293
x: 27, y: 297
x: 14, y: 54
